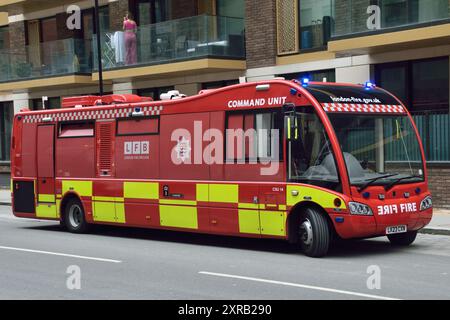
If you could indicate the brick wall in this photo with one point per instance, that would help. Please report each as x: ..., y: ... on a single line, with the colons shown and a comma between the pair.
x: 117, y: 10
x: 184, y: 8
x: 260, y: 33
x: 17, y: 40
x: 439, y: 182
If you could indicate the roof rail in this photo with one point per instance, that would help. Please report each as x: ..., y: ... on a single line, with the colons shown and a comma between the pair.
x: 89, y: 101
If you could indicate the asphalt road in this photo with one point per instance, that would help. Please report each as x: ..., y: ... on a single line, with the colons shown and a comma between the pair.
x: 125, y: 263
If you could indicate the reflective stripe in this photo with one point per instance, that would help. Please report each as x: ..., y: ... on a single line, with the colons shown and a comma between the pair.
x: 46, y: 211
x: 108, y: 210
x: 282, y: 207
x: 108, y: 199
x: 202, y: 192
x: 104, y: 211
x: 273, y: 223
x: 46, y: 198
x: 228, y: 193
x: 322, y: 198
x: 249, y: 221
x: 176, y: 201
x: 141, y: 190
x: 248, y: 206
x: 178, y: 216
x: 83, y: 188
x: 120, y: 212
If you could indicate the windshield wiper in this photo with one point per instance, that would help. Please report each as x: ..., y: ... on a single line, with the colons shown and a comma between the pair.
x: 393, y: 183
x: 371, y: 181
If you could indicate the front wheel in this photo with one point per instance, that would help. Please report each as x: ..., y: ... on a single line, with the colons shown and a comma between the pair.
x: 315, y: 233
x: 403, y: 239
x: 74, y: 218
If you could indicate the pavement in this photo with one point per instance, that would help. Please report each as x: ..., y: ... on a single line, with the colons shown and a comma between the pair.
x: 39, y: 260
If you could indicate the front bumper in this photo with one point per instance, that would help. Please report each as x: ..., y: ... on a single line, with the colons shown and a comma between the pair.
x: 355, y: 226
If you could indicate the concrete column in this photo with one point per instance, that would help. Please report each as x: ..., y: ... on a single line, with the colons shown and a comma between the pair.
x: 189, y: 89
x: 20, y: 101
x: 123, y: 88
x: 354, y: 74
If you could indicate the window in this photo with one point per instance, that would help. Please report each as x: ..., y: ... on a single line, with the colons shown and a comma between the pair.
x: 402, y: 12
x: 321, y: 75
x: 138, y: 127
x: 52, y: 103
x: 6, y: 119
x: 218, y: 84
x: 423, y: 85
x: 310, y: 158
x: 253, y: 136
x: 76, y: 130
x: 4, y: 38
x: 154, y: 93
x: 315, y: 23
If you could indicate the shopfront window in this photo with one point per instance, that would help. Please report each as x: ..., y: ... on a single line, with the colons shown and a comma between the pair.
x: 423, y: 85
x: 6, y: 119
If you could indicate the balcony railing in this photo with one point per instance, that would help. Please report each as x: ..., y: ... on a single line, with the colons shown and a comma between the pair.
x: 176, y: 40
x: 352, y: 17
x: 55, y: 58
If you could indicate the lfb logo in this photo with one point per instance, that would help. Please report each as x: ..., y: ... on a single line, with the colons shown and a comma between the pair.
x: 136, y: 147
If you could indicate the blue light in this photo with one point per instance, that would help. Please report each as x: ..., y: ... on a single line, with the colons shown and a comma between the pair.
x: 369, y: 85
x: 339, y: 219
x: 293, y: 91
x: 305, y: 81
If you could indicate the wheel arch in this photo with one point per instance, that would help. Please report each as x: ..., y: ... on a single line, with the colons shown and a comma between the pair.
x: 65, y: 200
x: 293, y: 219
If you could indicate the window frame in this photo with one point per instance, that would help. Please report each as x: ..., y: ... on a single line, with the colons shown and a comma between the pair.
x: 137, y: 119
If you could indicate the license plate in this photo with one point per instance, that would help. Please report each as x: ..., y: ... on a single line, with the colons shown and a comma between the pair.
x: 396, y: 229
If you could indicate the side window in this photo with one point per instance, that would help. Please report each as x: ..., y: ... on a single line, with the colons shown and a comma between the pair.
x: 76, y: 129
x: 141, y: 126
x: 310, y: 155
x: 252, y: 136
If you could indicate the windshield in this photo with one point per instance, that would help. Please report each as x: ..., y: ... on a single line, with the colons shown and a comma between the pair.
x: 310, y: 156
x: 377, y: 149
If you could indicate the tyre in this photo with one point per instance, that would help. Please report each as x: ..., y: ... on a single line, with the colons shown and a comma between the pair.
x: 402, y: 239
x: 74, y: 218
x: 315, y: 233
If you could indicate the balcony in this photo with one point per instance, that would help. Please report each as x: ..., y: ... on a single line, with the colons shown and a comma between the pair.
x: 69, y: 57
x: 410, y: 24
x: 200, y: 42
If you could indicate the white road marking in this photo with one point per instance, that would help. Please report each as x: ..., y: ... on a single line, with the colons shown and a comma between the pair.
x: 359, y: 294
x: 60, y: 254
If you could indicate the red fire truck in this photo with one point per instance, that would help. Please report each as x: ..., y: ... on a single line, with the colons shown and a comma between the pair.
x: 295, y: 160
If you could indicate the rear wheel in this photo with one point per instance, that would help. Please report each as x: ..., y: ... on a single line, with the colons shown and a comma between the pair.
x: 74, y: 218
x: 402, y: 239
x: 315, y: 233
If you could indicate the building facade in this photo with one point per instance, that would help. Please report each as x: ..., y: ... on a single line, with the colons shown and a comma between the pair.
x: 401, y: 45
x: 189, y: 45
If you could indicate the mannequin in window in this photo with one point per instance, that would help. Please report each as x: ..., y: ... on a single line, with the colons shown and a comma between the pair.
x: 130, y: 28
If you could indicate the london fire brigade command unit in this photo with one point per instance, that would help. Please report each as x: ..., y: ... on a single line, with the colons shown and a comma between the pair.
x: 301, y: 161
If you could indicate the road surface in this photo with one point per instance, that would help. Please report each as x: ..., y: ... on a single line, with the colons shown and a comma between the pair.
x: 38, y: 260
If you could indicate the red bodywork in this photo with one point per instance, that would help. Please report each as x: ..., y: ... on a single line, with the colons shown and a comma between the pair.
x: 39, y: 155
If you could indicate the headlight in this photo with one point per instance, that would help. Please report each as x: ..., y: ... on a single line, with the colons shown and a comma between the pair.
x: 360, y: 209
x: 426, y: 203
